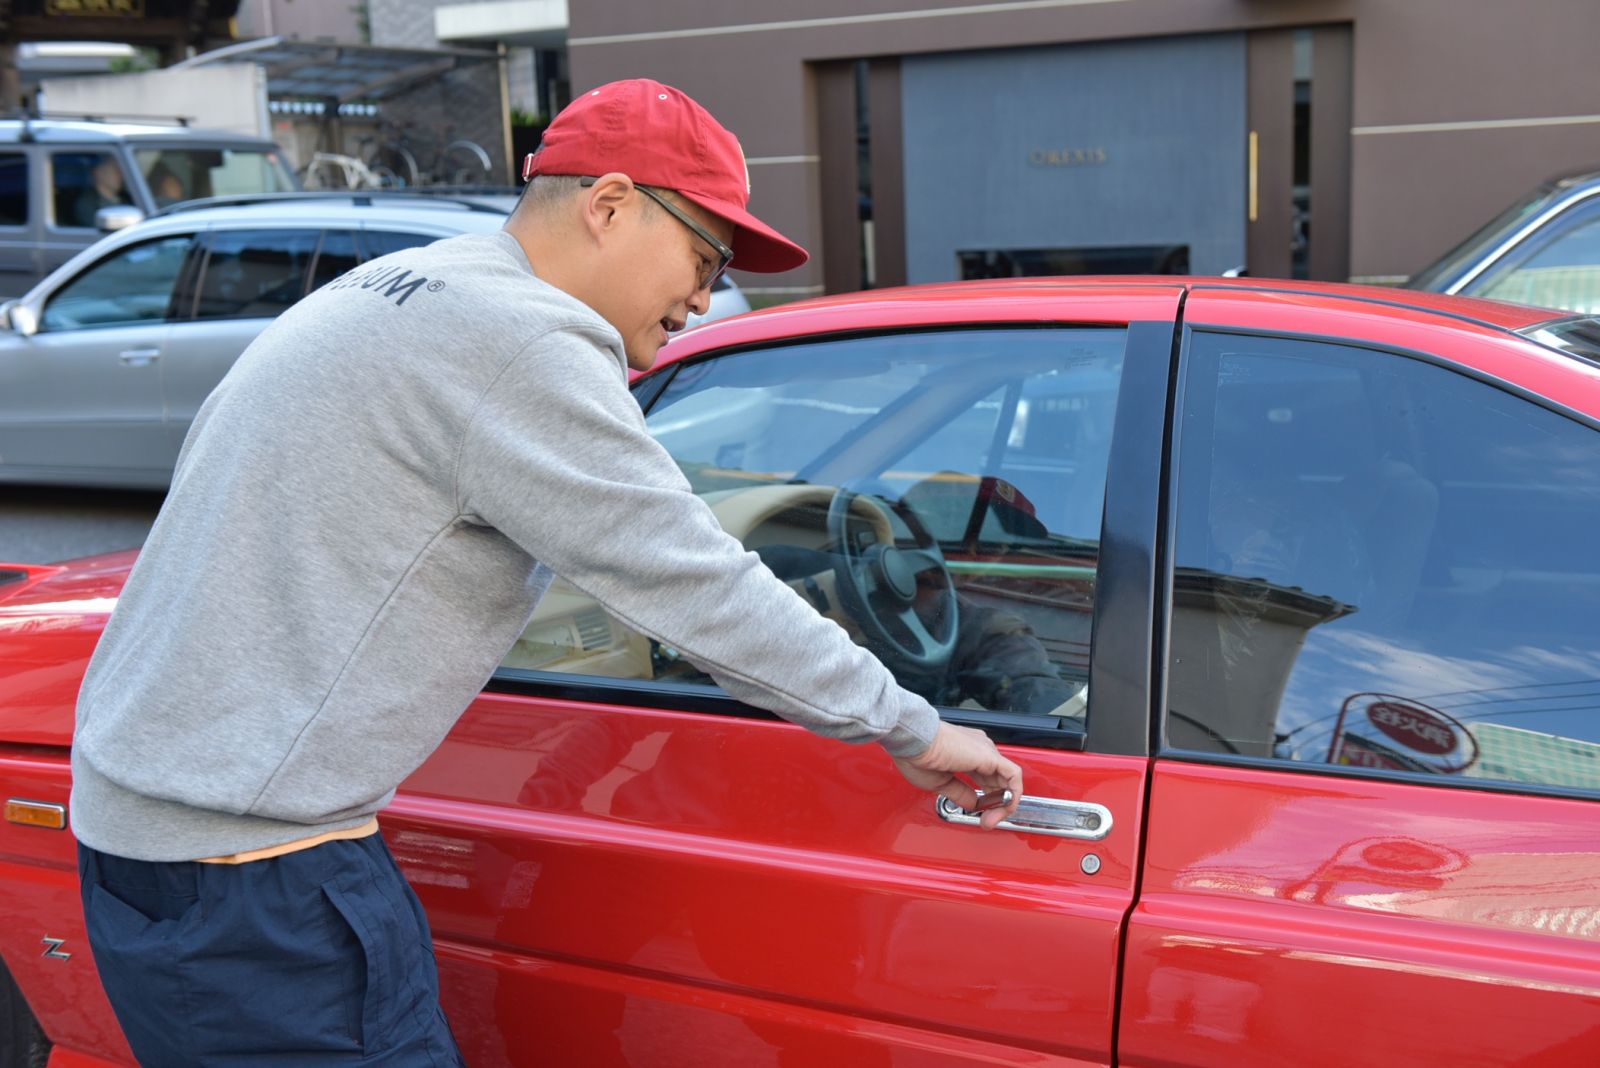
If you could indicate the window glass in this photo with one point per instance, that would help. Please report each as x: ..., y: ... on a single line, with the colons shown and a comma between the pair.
x: 1381, y: 563
x: 13, y: 189
x: 175, y: 174
x: 84, y: 182
x: 133, y: 285
x: 1563, y: 273
x: 375, y: 243
x: 336, y: 256
x: 254, y: 274
x: 980, y: 453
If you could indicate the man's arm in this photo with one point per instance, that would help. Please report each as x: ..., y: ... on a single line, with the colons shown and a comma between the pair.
x: 557, y: 457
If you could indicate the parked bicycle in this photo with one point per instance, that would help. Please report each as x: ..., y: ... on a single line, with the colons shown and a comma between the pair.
x: 335, y: 170
x: 395, y: 162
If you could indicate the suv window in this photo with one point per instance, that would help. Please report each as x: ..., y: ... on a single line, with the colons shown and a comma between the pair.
x: 1383, y: 564
x: 254, y: 274
x: 132, y: 285
x: 84, y: 182
x: 979, y: 454
x: 13, y: 189
x: 175, y: 174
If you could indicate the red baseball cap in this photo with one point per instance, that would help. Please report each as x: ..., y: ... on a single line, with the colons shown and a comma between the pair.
x: 659, y: 137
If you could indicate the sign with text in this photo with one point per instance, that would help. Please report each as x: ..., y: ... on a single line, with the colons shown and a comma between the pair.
x: 1067, y: 157
x: 1377, y: 730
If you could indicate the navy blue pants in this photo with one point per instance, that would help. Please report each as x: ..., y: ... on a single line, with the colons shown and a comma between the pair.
x: 319, y: 957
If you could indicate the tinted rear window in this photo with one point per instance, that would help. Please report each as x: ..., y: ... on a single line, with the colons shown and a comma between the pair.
x: 13, y: 189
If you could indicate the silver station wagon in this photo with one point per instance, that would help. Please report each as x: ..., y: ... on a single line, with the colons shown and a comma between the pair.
x: 104, y: 364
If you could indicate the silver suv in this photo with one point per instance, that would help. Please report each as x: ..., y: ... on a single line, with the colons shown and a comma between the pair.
x: 57, y: 176
x: 104, y: 364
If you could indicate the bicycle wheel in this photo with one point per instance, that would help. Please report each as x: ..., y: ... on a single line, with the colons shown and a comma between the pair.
x: 465, y: 162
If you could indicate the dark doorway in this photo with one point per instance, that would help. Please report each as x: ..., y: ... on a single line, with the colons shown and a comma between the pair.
x: 1037, y: 262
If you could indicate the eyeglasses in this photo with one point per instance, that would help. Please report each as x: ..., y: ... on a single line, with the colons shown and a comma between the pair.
x: 708, y: 277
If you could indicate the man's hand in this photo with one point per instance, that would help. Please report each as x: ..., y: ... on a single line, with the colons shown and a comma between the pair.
x: 964, y: 751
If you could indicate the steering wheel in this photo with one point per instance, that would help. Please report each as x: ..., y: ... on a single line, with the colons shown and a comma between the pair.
x: 877, y: 584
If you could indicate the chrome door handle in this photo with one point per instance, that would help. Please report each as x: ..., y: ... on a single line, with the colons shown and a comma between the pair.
x: 139, y: 357
x: 1041, y: 815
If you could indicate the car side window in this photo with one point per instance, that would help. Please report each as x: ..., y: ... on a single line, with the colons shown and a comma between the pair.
x: 84, y: 182
x: 336, y: 255
x: 1561, y: 272
x: 1383, y: 564
x: 974, y: 458
x: 132, y: 285
x: 13, y: 189
x: 174, y: 174
x: 254, y: 274
x: 375, y: 243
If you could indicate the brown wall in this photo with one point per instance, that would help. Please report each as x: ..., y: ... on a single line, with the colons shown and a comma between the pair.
x: 1413, y: 193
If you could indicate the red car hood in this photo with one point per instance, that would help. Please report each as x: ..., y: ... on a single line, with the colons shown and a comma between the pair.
x: 51, y: 617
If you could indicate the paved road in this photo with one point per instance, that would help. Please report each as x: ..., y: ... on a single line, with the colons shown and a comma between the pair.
x: 42, y: 524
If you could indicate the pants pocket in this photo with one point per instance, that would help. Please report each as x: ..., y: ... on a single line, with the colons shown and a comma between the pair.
x: 375, y: 967
x: 394, y: 1004
x: 137, y: 913
x: 139, y: 960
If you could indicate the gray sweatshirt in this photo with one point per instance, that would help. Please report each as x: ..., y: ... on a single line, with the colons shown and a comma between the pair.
x: 362, y: 521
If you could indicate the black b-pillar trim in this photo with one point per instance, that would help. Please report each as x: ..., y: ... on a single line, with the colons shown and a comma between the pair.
x: 1127, y: 612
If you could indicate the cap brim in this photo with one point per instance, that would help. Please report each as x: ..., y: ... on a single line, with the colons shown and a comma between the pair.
x: 756, y: 246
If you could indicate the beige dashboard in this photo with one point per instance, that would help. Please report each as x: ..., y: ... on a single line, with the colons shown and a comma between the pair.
x: 571, y: 632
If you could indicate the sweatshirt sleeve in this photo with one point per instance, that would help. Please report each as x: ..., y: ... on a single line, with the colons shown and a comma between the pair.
x: 557, y: 457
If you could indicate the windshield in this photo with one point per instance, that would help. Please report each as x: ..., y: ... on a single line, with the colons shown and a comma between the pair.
x: 175, y: 174
x: 1443, y: 271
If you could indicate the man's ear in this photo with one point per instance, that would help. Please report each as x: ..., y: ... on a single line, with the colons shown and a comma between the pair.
x: 602, y: 208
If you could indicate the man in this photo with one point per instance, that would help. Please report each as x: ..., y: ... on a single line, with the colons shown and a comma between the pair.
x: 105, y: 190
x: 363, y: 518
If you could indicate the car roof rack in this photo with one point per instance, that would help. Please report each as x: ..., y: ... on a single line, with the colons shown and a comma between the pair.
x: 109, y: 118
x: 360, y: 198
x: 28, y: 118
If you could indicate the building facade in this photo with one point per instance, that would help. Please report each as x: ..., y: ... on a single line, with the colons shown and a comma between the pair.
x: 929, y: 140
x: 338, y: 22
x: 533, y: 35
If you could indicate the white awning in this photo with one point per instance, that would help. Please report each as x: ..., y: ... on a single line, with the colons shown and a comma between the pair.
x: 529, y: 23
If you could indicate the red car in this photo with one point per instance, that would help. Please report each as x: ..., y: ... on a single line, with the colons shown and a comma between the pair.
x: 1284, y: 595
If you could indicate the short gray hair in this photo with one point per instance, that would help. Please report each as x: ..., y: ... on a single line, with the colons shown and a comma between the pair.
x: 545, y: 191
x: 548, y: 189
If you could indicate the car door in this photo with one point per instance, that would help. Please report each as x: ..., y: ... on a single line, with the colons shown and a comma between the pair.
x: 246, y: 278
x: 81, y: 398
x: 622, y: 864
x: 1372, y: 818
